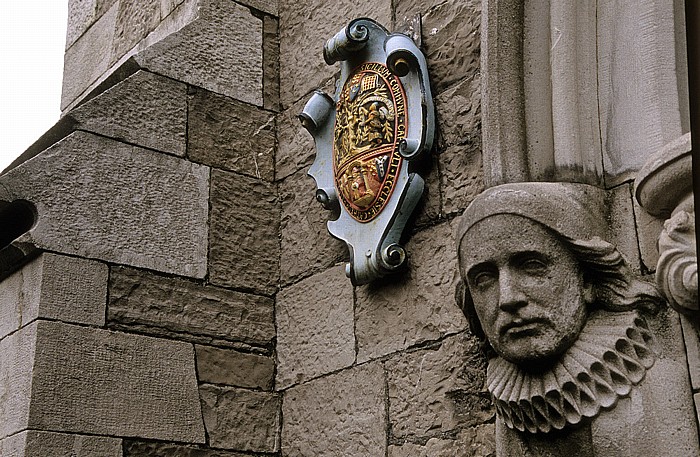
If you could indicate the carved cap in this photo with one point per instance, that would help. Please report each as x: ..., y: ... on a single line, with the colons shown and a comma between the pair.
x: 572, y: 210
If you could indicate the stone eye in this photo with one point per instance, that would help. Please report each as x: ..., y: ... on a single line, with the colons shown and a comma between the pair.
x: 483, y: 278
x: 533, y: 264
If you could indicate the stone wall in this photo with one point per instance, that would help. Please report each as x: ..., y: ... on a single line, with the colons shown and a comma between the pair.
x: 389, y: 368
x: 179, y: 294
x: 140, y: 319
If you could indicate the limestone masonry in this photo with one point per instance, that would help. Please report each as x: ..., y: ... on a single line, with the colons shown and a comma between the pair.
x: 170, y: 289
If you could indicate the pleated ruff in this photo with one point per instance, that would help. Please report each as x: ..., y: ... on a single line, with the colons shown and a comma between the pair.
x: 610, y: 357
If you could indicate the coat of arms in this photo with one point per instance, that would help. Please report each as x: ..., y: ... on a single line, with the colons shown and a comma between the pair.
x: 380, y: 120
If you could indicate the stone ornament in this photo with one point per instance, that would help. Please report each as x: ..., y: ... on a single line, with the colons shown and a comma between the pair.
x: 610, y: 356
x: 664, y: 189
x: 556, y: 306
x: 677, y: 268
x: 368, y: 137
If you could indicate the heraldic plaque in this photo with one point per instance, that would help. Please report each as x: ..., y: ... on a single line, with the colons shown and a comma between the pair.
x: 368, y: 138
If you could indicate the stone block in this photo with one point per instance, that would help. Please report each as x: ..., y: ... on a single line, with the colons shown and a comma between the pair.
x: 135, y: 20
x: 304, y: 29
x: 458, y: 112
x: 81, y: 14
x: 461, y: 177
x: 444, y: 26
x: 474, y: 442
x: 314, y: 327
x: 295, y: 146
x: 271, y: 63
x: 89, y: 57
x: 177, y: 307
x: 17, y: 353
x: 341, y: 415
x: 229, y: 134
x: 13, y: 446
x: 306, y: 245
x: 34, y: 443
x: 220, y: 51
x: 233, y: 368
x: 145, y: 109
x: 241, y: 419
x: 152, y: 449
x: 54, y: 287
x: 438, y: 389
x: 100, y: 382
x: 414, y: 307
x: 244, y: 233
x: 107, y: 200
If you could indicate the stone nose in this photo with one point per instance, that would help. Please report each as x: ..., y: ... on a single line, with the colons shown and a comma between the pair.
x: 510, y: 294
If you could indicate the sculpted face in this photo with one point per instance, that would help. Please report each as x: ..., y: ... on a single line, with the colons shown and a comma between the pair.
x: 527, y: 288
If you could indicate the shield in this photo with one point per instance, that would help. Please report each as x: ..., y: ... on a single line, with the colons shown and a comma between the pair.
x: 367, y: 138
x: 370, y: 122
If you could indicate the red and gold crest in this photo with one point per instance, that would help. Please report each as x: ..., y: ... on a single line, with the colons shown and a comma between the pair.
x: 370, y: 123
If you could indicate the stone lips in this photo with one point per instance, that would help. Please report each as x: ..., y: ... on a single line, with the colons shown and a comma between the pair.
x: 365, y: 209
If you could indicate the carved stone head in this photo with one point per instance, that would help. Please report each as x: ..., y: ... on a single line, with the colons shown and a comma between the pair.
x: 534, y: 264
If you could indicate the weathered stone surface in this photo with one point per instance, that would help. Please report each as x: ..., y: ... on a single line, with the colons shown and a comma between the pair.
x: 150, y: 449
x: 81, y: 14
x: 271, y: 63
x: 648, y: 229
x: 233, y: 368
x: 154, y: 304
x: 462, y: 177
x: 304, y: 29
x: 244, y: 233
x: 145, y: 109
x: 16, y: 363
x: 48, y: 444
x: 314, y: 327
x: 416, y: 307
x: 474, y: 442
x: 691, y: 338
x: 89, y: 57
x: 54, y: 287
x: 438, y: 389
x: 103, y: 6
x: 295, y: 146
x: 102, y: 199
x: 621, y: 224
x: 428, y: 209
x: 266, y: 6
x: 168, y: 6
x: 229, y: 134
x: 452, y: 22
x: 342, y: 415
x: 100, y: 382
x: 13, y: 446
x: 306, y: 245
x: 405, y: 9
x: 220, y: 51
x: 135, y: 19
x: 458, y: 112
x: 241, y: 419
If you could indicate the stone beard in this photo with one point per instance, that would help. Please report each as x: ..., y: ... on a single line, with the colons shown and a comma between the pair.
x: 560, y: 314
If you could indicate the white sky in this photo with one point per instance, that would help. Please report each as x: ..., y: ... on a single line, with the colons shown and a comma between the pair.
x: 32, y: 42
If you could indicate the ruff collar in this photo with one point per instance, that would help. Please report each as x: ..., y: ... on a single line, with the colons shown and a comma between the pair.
x: 611, y: 356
